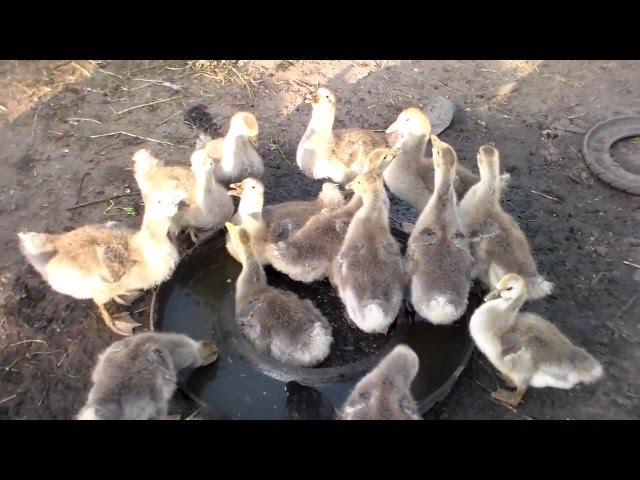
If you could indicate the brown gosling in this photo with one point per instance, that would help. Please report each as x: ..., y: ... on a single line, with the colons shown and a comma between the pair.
x: 235, y: 155
x: 336, y: 154
x: 108, y: 261
x: 527, y: 350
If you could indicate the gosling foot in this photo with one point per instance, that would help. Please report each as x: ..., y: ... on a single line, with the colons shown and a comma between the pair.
x: 198, y: 236
x: 128, y: 298
x: 124, y: 324
x: 512, y: 398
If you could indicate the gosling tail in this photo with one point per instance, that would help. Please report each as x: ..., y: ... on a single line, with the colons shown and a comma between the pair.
x: 38, y: 249
x: 538, y: 287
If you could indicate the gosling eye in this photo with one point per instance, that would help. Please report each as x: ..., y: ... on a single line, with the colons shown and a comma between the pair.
x: 510, y: 288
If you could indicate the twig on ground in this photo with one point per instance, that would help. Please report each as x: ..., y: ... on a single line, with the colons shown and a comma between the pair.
x: 304, y: 85
x: 152, y: 308
x: 194, y: 413
x: 62, y: 359
x: 79, y: 192
x: 166, y: 119
x: 631, y: 263
x: 35, y: 122
x: 452, y: 89
x: 27, y: 355
x: 243, y: 81
x: 156, y: 102
x: 46, y: 389
x: 82, y: 69
x: 401, y: 93
x: 100, y: 69
x: 163, y: 83
x: 275, y: 144
x: 66, y: 371
x: 80, y: 119
x: 546, y: 196
x: 120, y: 132
x: 27, y: 341
x: 8, y: 398
x: 623, y: 309
x: 102, y: 200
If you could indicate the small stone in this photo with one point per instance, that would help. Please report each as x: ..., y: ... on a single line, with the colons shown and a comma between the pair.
x: 602, y: 250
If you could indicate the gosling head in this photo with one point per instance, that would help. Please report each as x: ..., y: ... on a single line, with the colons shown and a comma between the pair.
x: 403, y: 364
x: 366, y: 184
x: 510, y: 287
x: 245, y: 124
x: 166, y: 202
x: 201, y: 162
x: 323, y: 100
x: 143, y: 161
x: 444, y: 156
x: 411, y: 121
x: 248, y: 188
x: 488, y: 161
x: 381, y: 158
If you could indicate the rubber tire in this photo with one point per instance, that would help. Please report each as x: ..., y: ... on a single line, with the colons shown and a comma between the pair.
x: 596, y: 150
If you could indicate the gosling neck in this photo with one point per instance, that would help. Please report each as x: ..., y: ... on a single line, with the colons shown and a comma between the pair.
x: 154, y: 227
x: 443, y: 181
x: 204, y: 184
x: 509, y: 308
x: 252, y: 276
x: 251, y: 206
x: 444, y: 195
x: 232, y: 140
x: 490, y: 184
x: 322, y: 118
x: 375, y: 203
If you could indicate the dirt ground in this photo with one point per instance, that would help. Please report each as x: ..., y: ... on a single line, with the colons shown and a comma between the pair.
x: 58, y: 150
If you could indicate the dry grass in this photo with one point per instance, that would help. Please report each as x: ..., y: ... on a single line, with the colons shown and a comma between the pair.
x: 218, y: 70
x: 227, y: 71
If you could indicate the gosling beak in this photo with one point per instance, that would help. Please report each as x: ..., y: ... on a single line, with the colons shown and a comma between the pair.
x: 236, y: 189
x: 308, y: 98
x: 229, y: 226
x: 388, y: 158
x: 254, y: 142
x: 394, y: 127
x: 492, y: 295
x: 435, y: 141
